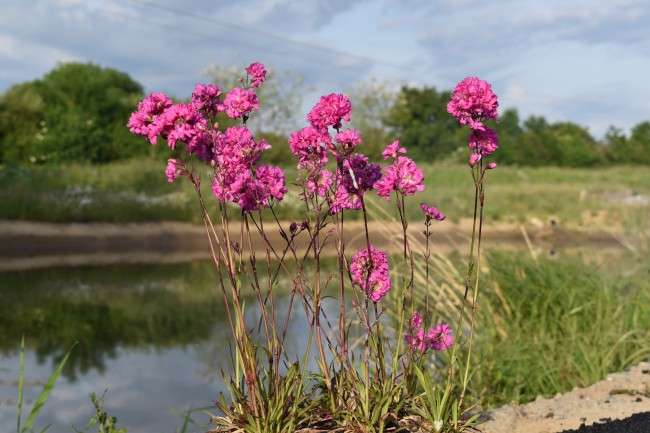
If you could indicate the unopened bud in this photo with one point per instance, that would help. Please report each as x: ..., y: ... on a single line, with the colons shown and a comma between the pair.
x: 474, y: 159
x: 491, y: 166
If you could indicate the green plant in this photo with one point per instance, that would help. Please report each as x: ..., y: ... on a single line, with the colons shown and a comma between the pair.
x: 104, y: 423
x: 42, y: 397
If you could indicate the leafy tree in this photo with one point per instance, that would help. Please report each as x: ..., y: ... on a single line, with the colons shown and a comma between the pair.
x: 76, y: 112
x: 21, y: 122
x: 419, y: 117
x: 632, y: 150
x: 571, y: 145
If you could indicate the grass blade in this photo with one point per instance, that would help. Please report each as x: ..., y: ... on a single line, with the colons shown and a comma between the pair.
x: 21, y: 381
x: 45, y: 393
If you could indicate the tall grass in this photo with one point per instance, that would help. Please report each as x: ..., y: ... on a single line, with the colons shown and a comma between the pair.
x: 548, y: 326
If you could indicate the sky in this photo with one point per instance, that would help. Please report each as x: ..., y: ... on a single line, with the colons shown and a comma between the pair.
x: 586, y: 62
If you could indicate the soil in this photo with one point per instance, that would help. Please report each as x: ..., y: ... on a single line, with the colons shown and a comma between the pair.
x: 619, y: 403
x: 29, y: 245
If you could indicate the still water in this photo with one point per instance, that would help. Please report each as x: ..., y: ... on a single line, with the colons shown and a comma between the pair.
x: 154, y: 336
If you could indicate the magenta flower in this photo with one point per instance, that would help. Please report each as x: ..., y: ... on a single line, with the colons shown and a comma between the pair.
x: 393, y: 150
x: 319, y: 182
x: 181, y: 122
x: 402, y: 176
x: 474, y: 158
x: 348, y: 140
x: 439, y: 337
x: 415, y: 321
x: 207, y: 99
x: 370, y: 272
x: 173, y: 170
x: 240, y: 102
x: 330, y: 111
x: 432, y: 212
x: 258, y: 74
x: 416, y: 340
x: 145, y: 121
x: 484, y: 142
x: 307, y: 142
x: 473, y: 102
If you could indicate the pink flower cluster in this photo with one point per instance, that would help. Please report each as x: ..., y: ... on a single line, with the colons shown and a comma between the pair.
x: 437, y: 338
x: 233, y: 154
x: 370, y: 271
x: 257, y: 71
x: 472, y: 103
x: 313, y: 145
x: 330, y: 111
x: 402, y: 176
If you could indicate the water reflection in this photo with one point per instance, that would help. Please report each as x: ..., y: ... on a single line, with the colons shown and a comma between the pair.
x: 155, y: 336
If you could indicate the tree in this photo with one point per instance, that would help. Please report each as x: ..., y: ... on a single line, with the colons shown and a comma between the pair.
x: 76, y: 112
x: 636, y: 149
x: 419, y: 117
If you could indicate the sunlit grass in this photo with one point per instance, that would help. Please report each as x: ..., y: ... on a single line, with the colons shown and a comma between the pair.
x: 136, y: 190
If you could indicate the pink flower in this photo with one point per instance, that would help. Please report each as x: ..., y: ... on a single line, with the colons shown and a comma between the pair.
x: 272, y: 181
x: 181, y: 122
x: 370, y: 272
x: 258, y: 73
x: 144, y: 121
x: 484, y: 141
x: 416, y: 320
x: 392, y: 150
x: 439, y: 337
x: 240, y: 102
x: 251, y: 191
x: 432, y: 212
x: 491, y: 166
x: 348, y: 140
x: 237, y: 150
x: 473, y: 102
x: 403, y: 176
x: 330, y: 111
x: 308, y: 141
x: 474, y: 158
x: 416, y: 340
x: 173, y: 170
x: 207, y: 98
x: 320, y: 182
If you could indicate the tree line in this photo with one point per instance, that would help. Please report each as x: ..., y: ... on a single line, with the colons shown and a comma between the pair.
x: 78, y: 112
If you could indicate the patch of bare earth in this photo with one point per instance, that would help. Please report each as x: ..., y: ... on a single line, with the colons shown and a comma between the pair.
x: 618, y: 396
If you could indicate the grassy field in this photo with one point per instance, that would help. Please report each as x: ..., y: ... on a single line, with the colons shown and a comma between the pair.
x: 137, y: 191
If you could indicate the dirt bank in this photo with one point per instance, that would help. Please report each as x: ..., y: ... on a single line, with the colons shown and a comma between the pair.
x: 26, y: 245
x: 618, y: 396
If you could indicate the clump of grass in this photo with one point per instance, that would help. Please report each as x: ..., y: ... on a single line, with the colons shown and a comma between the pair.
x: 548, y: 326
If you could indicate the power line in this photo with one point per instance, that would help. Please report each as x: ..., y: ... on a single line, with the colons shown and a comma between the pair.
x: 268, y: 35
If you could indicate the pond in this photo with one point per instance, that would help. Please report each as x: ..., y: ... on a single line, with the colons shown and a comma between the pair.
x: 155, y: 336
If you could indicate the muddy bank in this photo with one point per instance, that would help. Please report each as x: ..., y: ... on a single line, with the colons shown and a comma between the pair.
x: 26, y: 245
